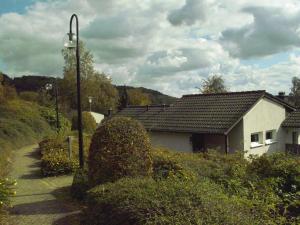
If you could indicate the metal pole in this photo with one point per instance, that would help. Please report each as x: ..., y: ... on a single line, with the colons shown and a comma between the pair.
x: 80, y: 135
x: 56, y: 106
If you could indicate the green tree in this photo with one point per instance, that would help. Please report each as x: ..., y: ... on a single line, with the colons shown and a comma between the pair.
x: 295, y: 91
x: 93, y: 83
x: 138, y: 97
x: 213, y: 84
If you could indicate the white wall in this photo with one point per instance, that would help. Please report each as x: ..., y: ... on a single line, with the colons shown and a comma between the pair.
x: 236, y: 138
x: 172, y: 140
x: 265, y: 115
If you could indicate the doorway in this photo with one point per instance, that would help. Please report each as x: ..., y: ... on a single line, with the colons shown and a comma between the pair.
x: 198, y: 143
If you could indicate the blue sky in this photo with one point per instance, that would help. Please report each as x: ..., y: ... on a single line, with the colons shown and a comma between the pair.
x: 18, y: 6
x: 170, y: 46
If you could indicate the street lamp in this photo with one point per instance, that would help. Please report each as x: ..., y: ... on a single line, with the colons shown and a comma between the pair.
x: 90, y: 101
x: 73, y: 43
x: 48, y: 87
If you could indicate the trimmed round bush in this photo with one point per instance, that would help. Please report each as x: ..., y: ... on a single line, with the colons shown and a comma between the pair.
x: 89, y: 124
x: 120, y: 148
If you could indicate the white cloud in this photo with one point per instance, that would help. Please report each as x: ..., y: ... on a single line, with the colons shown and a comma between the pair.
x: 166, y: 45
x: 271, y: 31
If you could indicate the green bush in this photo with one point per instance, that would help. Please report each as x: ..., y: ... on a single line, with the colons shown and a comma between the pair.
x: 50, y: 116
x: 29, y: 96
x: 281, y: 174
x: 6, y: 191
x: 88, y: 122
x: 55, y: 155
x: 80, y: 184
x: 120, y: 148
x: 170, y: 201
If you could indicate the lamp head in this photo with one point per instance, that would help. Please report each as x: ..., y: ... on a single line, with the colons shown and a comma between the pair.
x: 48, y: 86
x: 70, y: 41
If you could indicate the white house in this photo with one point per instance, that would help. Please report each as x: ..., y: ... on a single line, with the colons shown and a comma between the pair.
x: 253, y: 121
x: 97, y: 116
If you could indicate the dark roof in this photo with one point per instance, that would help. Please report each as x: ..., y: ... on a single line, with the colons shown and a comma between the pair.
x: 293, y: 120
x: 201, y: 113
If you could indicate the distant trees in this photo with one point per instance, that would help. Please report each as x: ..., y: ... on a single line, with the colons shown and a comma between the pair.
x: 295, y: 91
x: 93, y: 83
x: 213, y: 84
x: 138, y: 97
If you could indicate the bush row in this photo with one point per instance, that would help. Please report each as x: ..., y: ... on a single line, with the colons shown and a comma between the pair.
x: 55, y: 156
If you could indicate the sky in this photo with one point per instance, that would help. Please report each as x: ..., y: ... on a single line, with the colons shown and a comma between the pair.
x: 166, y: 45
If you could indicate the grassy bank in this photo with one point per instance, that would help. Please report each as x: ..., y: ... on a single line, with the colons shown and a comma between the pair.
x: 21, y: 123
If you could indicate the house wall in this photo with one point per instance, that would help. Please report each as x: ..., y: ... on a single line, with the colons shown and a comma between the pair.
x: 215, y: 142
x: 289, y: 135
x: 265, y: 115
x: 182, y: 141
x: 236, y: 138
x: 172, y: 140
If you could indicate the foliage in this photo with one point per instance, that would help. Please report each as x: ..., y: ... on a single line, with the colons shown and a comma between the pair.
x: 6, y: 191
x: 80, y: 184
x: 295, y: 91
x: 213, y: 84
x: 120, y: 147
x: 20, y: 124
x: 170, y: 201
x: 29, y: 96
x: 55, y: 155
x: 88, y: 122
x: 138, y: 97
x: 50, y: 116
x: 156, y: 97
x: 93, y: 83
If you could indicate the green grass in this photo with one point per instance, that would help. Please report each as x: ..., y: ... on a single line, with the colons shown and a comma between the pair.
x: 21, y: 124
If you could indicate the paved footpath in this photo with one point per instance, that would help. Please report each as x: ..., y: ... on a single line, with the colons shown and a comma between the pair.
x: 40, y: 201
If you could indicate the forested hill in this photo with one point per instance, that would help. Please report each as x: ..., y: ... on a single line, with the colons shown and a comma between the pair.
x: 35, y: 83
x: 156, y: 97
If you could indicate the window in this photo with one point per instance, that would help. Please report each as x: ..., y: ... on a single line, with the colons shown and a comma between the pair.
x: 256, y: 140
x: 270, y: 136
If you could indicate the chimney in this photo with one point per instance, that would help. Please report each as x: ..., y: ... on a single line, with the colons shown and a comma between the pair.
x: 281, y: 95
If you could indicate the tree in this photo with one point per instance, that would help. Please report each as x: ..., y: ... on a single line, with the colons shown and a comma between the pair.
x: 93, y: 83
x: 213, y: 84
x: 123, y: 100
x: 295, y: 91
x: 138, y: 97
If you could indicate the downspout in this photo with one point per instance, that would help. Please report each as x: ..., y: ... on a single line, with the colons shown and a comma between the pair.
x: 226, y: 143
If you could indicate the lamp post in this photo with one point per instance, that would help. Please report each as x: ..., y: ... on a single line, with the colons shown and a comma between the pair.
x: 90, y: 101
x: 49, y: 86
x: 73, y: 42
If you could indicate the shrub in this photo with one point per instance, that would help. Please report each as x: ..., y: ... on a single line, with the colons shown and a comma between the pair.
x: 80, y: 184
x: 50, y: 116
x: 120, y: 148
x: 170, y: 201
x: 280, y: 174
x: 29, y: 96
x: 165, y: 165
x: 6, y: 191
x: 57, y: 162
x: 55, y: 155
x: 88, y: 122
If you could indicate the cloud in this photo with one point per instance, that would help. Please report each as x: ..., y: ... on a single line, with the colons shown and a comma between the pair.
x: 190, y: 13
x: 169, y: 45
x: 271, y: 31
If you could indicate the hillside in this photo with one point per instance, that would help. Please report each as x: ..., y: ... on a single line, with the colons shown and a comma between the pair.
x: 35, y: 83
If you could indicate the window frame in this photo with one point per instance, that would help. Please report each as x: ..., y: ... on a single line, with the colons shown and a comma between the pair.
x: 259, y: 142
x: 271, y: 140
